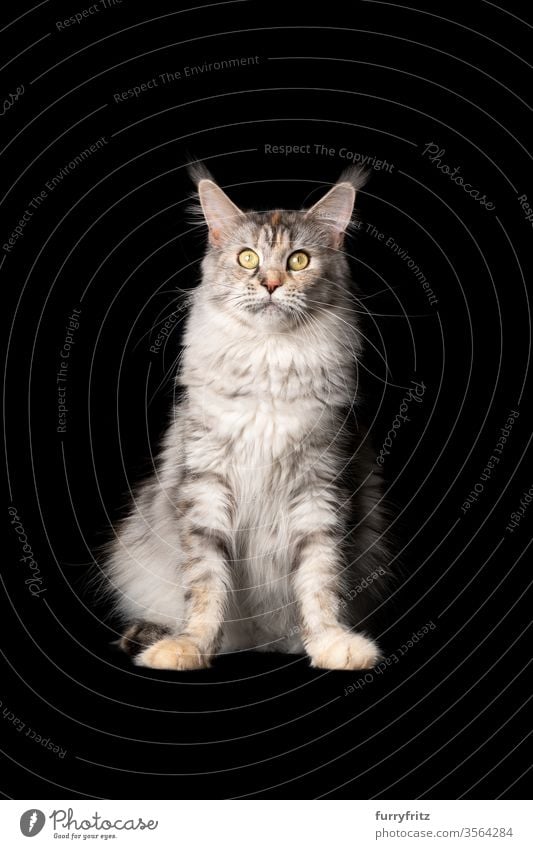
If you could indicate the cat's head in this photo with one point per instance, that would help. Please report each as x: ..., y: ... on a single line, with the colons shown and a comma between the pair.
x: 273, y: 269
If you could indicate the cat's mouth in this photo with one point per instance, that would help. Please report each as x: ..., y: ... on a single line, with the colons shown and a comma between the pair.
x: 270, y: 308
x: 270, y: 305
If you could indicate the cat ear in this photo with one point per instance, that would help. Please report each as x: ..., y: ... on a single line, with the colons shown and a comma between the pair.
x: 220, y: 212
x: 336, y: 207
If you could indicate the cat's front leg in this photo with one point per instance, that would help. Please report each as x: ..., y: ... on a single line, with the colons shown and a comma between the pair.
x: 205, y: 577
x: 317, y: 583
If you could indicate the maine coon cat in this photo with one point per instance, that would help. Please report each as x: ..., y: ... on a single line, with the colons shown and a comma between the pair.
x: 264, y: 511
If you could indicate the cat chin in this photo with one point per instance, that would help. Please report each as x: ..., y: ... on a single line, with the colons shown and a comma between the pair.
x: 273, y: 322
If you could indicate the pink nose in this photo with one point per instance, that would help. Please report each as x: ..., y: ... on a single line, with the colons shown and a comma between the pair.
x: 271, y: 283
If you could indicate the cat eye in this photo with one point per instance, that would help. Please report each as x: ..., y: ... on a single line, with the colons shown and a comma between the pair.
x: 248, y: 258
x: 298, y: 260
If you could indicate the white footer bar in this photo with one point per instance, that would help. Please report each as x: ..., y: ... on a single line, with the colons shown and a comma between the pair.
x: 267, y: 824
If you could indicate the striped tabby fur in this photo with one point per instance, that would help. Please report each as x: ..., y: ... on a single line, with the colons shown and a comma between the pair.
x: 264, y: 509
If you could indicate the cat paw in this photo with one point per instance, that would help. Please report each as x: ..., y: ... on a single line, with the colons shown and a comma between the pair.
x: 141, y: 635
x: 340, y: 649
x: 178, y: 653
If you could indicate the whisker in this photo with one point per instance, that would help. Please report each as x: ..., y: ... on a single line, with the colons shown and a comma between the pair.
x: 371, y: 312
x: 360, y: 365
x: 157, y: 322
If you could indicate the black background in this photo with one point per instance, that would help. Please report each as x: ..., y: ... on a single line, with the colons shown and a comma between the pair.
x: 114, y: 239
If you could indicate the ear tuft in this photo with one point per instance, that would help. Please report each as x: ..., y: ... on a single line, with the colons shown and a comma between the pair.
x: 219, y: 211
x: 197, y: 171
x: 355, y: 176
x: 336, y: 207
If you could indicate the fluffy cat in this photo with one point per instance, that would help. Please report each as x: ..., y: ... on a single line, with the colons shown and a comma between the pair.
x: 264, y: 511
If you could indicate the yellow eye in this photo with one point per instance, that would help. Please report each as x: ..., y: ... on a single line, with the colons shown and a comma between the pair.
x: 248, y: 258
x: 298, y: 260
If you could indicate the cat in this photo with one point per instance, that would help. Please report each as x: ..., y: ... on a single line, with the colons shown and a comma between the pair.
x: 265, y: 511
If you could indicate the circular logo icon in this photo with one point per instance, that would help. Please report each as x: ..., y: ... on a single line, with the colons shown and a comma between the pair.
x: 32, y: 822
